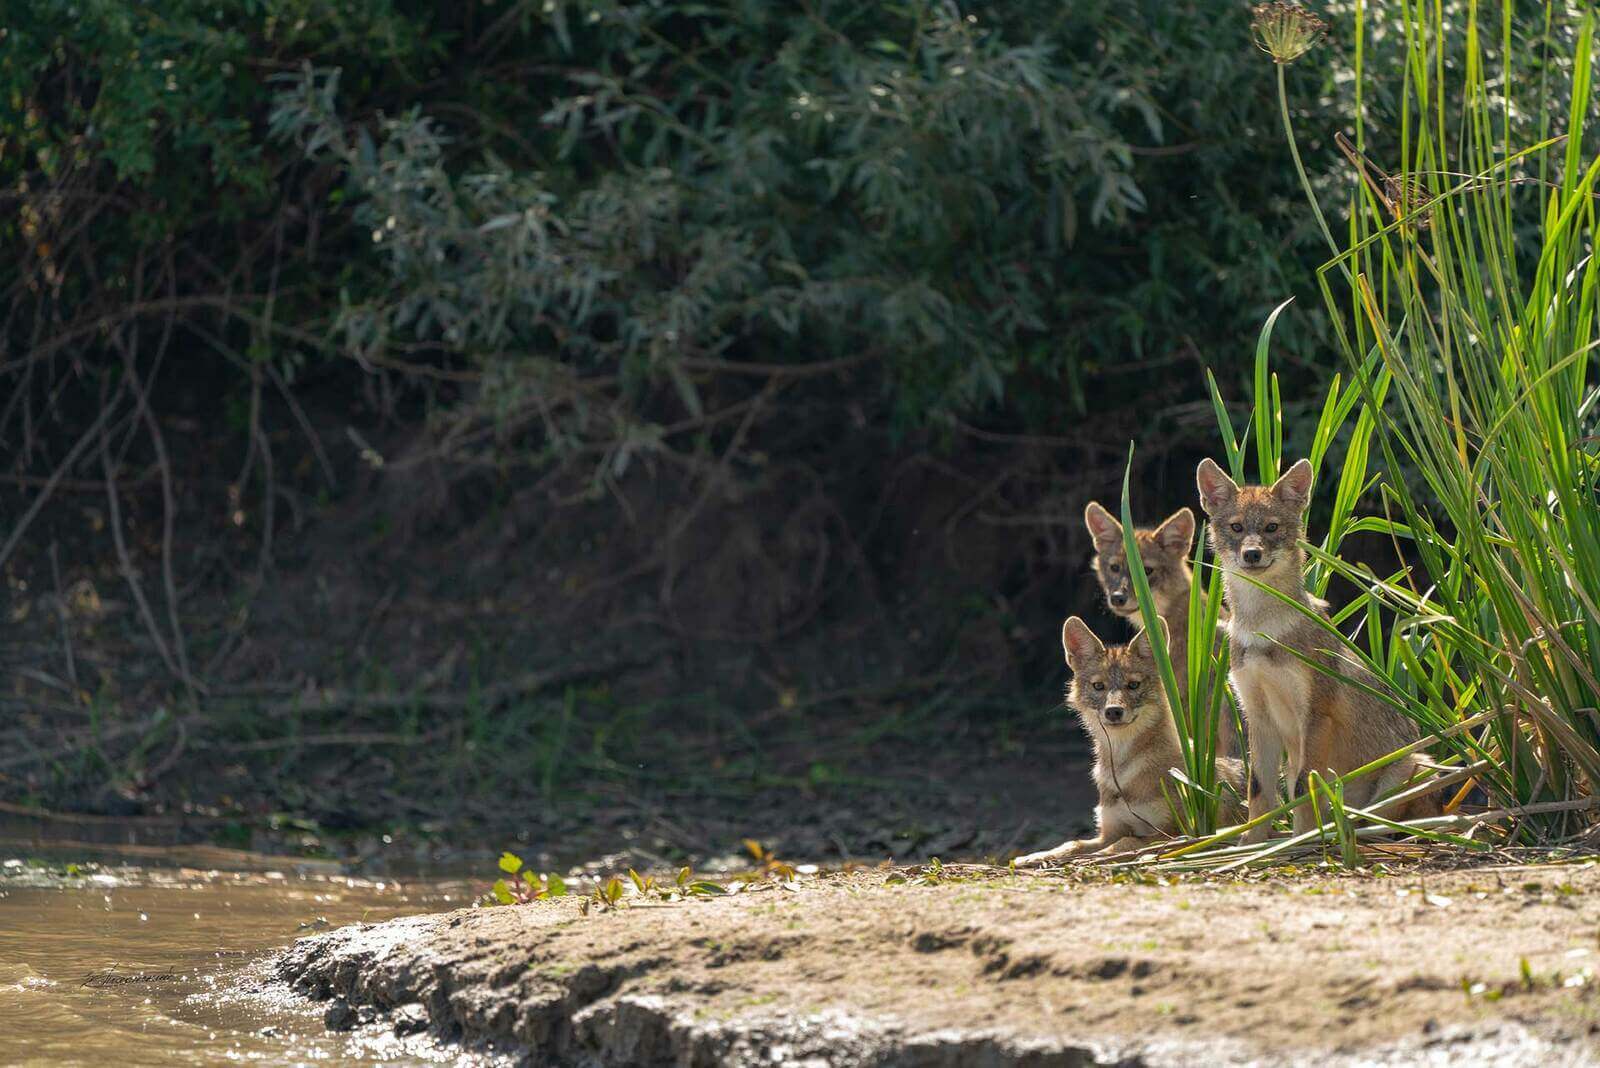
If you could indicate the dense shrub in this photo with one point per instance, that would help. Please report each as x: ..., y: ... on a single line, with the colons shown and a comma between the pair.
x: 989, y: 206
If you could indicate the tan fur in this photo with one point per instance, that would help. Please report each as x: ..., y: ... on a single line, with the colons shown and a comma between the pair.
x: 1295, y: 714
x: 1164, y: 550
x: 1131, y: 757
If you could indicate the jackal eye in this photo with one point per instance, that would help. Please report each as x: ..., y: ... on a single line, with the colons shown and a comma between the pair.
x: 1114, y: 568
x: 1270, y: 527
x: 1149, y: 572
x: 1098, y: 685
x: 1132, y: 684
x: 1237, y: 528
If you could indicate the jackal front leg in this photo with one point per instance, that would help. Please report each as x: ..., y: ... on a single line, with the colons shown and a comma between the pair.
x: 1266, y: 755
x: 1063, y: 851
x: 1125, y: 844
x: 1311, y: 755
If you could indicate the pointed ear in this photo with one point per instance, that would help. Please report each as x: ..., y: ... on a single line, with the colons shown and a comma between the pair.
x: 1294, y: 487
x: 1102, y: 527
x: 1080, y: 644
x: 1176, y: 534
x: 1141, y: 641
x: 1217, y: 490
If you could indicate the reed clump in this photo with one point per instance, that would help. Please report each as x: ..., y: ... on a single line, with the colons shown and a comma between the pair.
x: 1465, y: 429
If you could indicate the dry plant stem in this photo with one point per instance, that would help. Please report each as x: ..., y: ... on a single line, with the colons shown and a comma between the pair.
x: 61, y: 616
x: 269, y: 490
x: 1283, y: 849
x: 713, y: 479
x: 169, y: 512
x: 1427, y: 786
x: 129, y: 572
x: 242, y: 479
x: 85, y: 739
x: 300, y: 417
x: 85, y: 819
x: 170, y: 761
x: 145, y: 413
x: 96, y: 430
x: 1290, y: 846
x: 131, y: 311
x: 1582, y: 804
x: 307, y: 741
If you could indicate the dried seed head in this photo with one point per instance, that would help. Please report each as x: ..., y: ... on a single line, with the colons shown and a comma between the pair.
x: 1403, y: 195
x: 1285, y: 31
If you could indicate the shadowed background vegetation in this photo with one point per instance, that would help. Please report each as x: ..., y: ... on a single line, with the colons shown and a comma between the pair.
x: 417, y: 415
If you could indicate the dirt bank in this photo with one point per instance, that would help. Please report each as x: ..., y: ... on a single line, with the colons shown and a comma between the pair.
x: 985, y: 967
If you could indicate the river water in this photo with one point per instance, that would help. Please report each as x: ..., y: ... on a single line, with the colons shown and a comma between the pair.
x: 167, y: 965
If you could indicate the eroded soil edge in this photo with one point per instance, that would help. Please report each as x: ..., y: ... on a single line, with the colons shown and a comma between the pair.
x: 1001, y: 970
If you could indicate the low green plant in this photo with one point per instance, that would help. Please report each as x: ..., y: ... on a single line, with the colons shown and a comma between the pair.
x: 688, y: 884
x: 933, y: 873
x: 523, y: 885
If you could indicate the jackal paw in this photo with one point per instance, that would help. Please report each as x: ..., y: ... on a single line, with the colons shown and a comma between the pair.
x: 1049, y: 856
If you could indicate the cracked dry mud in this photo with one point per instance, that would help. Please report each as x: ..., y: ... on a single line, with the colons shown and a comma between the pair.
x: 850, y: 969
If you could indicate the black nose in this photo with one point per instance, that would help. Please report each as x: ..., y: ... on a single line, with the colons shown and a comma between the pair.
x: 1119, y: 599
x: 1116, y: 713
x: 1251, y: 556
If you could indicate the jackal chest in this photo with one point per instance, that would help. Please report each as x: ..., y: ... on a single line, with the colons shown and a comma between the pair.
x: 1273, y: 691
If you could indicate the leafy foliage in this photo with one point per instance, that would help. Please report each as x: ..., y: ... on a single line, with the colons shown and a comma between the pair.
x: 933, y: 191
x: 973, y: 201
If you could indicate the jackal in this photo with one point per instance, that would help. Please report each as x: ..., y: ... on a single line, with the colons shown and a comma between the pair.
x: 1291, y: 709
x: 1120, y: 701
x: 1164, y: 551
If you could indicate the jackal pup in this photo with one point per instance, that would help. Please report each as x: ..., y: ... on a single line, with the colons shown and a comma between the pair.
x: 1164, y: 551
x: 1118, y: 696
x: 1291, y: 709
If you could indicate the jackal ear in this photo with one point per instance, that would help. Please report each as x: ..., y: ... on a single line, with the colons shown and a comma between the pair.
x: 1141, y: 641
x: 1102, y: 527
x: 1176, y: 534
x: 1294, y: 487
x: 1080, y: 644
x: 1217, y: 490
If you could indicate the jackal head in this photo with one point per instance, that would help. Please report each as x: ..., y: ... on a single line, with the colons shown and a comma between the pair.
x: 1164, y: 550
x: 1118, y: 686
x: 1256, y: 530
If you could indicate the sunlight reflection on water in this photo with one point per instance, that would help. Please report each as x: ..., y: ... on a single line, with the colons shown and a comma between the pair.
x: 136, y: 966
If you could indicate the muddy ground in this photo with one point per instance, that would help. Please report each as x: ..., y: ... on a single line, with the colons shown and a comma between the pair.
x: 1494, y: 964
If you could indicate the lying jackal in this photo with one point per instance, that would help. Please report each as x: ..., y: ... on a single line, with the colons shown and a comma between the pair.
x: 1117, y: 695
x: 1164, y: 550
x: 1290, y: 708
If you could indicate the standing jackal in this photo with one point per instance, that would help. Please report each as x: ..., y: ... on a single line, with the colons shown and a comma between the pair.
x: 1164, y: 550
x: 1117, y: 695
x: 1291, y: 709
